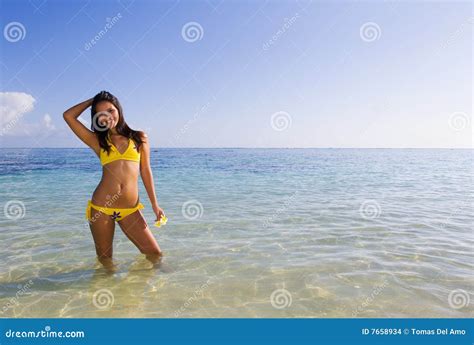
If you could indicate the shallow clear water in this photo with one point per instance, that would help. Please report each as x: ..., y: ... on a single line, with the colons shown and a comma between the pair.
x: 281, y: 233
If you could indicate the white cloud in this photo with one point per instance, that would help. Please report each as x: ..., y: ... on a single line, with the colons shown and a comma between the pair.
x: 13, y: 105
x: 48, y: 122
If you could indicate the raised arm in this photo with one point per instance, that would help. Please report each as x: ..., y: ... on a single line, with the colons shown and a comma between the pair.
x: 82, y: 132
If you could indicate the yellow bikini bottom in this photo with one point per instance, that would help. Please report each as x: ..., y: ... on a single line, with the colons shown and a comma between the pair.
x: 116, y: 213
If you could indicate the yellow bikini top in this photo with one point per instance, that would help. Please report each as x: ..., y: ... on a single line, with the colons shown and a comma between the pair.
x: 130, y: 154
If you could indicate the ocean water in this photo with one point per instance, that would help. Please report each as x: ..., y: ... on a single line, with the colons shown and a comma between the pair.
x: 251, y: 233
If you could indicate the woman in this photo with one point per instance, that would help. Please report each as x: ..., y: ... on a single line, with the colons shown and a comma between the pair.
x: 123, y: 153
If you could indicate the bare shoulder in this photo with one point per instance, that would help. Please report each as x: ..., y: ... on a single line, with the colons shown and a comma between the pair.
x: 143, y: 136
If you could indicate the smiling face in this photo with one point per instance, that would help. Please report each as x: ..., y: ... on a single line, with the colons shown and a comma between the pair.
x: 107, y: 114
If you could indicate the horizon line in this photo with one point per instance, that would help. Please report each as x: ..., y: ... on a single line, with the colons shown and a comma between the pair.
x: 282, y: 147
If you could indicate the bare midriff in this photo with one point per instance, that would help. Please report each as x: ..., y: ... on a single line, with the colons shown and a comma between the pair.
x: 118, y: 186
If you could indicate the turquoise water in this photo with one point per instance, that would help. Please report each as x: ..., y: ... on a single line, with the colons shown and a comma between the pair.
x: 251, y: 233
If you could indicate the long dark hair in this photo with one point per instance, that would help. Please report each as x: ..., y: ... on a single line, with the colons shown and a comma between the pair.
x: 121, y: 128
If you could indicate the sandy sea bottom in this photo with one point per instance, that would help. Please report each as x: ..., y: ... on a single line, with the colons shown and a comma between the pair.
x: 251, y: 233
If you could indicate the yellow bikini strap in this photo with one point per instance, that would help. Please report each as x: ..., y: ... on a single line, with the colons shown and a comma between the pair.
x: 88, y: 210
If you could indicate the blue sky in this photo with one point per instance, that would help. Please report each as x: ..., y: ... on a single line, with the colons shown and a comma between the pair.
x: 257, y: 74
